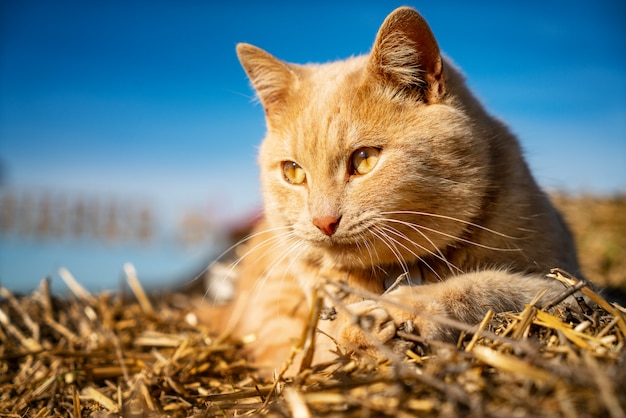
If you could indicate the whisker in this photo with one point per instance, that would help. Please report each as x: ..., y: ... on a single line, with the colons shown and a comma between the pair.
x: 235, y: 245
x: 477, y: 244
x: 389, y: 242
x: 369, y: 249
x: 360, y: 248
x: 450, y: 218
x: 267, y: 272
x: 270, y: 242
x: 439, y: 255
x: 397, y: 233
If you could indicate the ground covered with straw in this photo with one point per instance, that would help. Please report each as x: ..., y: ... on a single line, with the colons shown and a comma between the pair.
x: 137, y: 355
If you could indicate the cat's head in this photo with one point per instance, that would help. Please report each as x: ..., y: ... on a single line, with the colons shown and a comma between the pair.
x: 372, y: 160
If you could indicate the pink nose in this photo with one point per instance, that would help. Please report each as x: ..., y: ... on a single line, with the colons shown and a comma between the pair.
x: 327, y: 224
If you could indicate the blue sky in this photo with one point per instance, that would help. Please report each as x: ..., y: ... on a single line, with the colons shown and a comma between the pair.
x: 148, y: 98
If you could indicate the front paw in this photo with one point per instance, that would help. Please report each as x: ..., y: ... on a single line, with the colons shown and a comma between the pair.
x: 362, y: 328
x: 369, y: 323
x: 419, y: 314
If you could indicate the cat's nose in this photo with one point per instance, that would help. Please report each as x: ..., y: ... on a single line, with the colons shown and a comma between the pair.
x: 327, y: 224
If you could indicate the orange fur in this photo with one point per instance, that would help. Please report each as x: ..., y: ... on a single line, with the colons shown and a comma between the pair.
x: 450, y: 200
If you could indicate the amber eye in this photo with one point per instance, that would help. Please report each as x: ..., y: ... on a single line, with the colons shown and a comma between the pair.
x: 364, y: 160
x: 293, y: 173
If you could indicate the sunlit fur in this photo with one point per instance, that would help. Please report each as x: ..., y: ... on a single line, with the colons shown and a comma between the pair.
x: 450, y: 199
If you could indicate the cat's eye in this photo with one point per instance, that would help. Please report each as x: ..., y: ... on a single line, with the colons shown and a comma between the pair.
x: 364, y: 160
x: 293, y: 173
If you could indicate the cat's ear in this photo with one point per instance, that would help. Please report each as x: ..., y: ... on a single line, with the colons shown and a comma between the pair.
x: 270, y: 77
x: 406, y: 55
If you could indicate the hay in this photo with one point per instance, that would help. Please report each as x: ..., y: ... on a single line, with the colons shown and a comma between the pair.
x: 109, y: 355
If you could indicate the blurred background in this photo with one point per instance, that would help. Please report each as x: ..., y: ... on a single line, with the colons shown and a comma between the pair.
x: 128, y: 130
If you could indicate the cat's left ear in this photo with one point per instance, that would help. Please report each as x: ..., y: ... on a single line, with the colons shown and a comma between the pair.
x: 406, y: 56
x: 271, y: 78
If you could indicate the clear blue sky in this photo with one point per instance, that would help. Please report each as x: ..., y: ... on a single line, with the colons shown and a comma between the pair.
x: 147, y: 97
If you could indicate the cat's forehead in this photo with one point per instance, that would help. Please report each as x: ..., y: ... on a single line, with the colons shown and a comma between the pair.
x: 329, y: 102
x: 330, y: 88
x: 315, y: 116
x: 334, y: 78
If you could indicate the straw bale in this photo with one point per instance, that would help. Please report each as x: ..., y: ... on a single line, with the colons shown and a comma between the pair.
x: 107, y: 355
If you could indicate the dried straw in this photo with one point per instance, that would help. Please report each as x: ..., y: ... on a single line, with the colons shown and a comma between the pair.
x: 101, y: 355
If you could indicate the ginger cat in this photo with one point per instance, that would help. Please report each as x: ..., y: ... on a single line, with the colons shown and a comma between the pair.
x: 382, y: 167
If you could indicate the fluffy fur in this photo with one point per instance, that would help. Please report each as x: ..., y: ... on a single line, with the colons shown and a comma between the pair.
x: 447, y: 202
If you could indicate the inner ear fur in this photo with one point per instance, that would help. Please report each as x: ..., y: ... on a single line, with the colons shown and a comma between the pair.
x: 271, y: 78
x: 406, y: 55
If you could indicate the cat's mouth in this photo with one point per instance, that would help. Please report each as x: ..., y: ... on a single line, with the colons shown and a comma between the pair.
x: 368, y: 249
x: 345, y: 255
x: 334, y: 243
x: 347, y: 251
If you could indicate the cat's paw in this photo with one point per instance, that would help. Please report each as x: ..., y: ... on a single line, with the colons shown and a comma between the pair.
x: 417, y: 310
x: 369, y: 326
x: 369, y: 323
x: 364, y: 328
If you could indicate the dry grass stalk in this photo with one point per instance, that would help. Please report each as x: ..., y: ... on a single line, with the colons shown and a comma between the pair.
x: 104, y: 356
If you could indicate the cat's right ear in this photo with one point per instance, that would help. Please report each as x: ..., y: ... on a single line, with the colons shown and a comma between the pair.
x: 271, y: 78
x: 406, y: 56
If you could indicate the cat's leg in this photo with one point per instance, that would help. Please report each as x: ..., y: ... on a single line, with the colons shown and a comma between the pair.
x: 269, y: 308
x: 270, y: 317
x: 465, y: 298
x: 267, y: 315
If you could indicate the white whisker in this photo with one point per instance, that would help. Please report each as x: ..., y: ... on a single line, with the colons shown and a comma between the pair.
x: 439, y: 255
x: 268, y: 271
x: 450, y: 218
x: 389, y: 242
x: 235, y: 245
x: 369, y: 250
x: 272, y: 242
x: 397, y: 233
x: 454, y: 237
